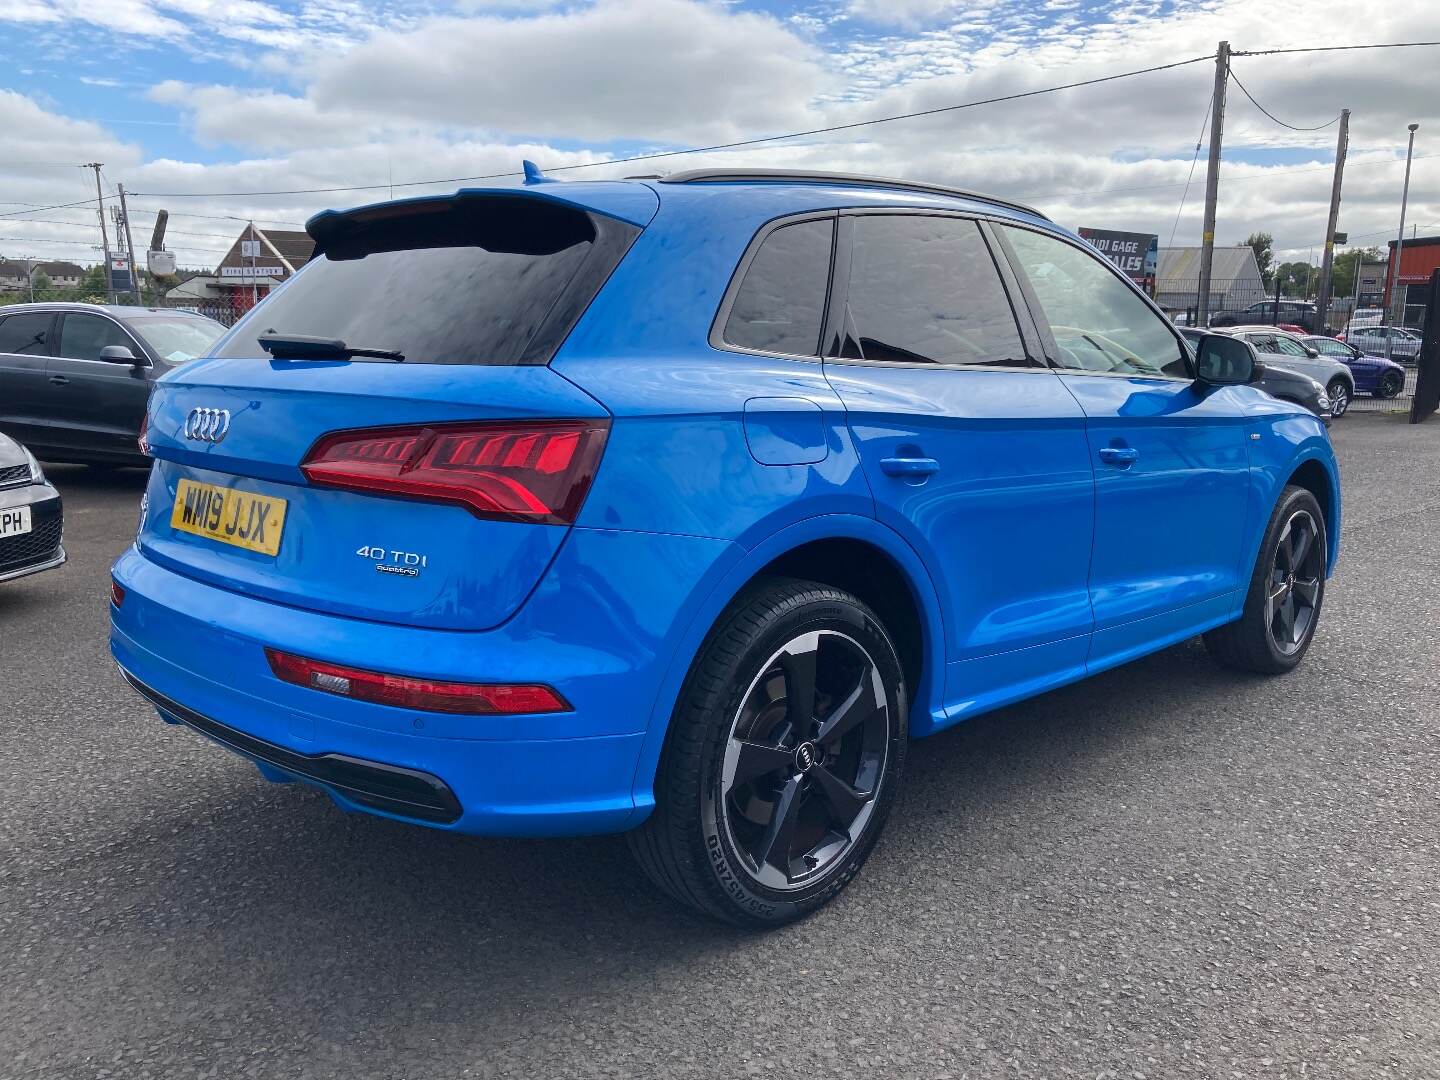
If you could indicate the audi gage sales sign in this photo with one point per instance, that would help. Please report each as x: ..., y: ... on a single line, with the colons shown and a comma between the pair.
x: 1136, y: 254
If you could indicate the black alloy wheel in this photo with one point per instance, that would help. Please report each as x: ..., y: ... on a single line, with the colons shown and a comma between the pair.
x: 782, y: 758
x: 1287, y: 588
x: 1391, y: 385
x: 1297, y: 570
x: 804, y: 759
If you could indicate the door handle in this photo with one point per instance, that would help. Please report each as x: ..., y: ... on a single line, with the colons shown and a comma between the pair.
x: 1124, y: 456
x: 59, y: 380
x: 909, y: 466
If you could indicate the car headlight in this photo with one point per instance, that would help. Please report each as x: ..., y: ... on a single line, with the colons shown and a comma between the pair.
x: 1323, y: 400
x: 37, y: 474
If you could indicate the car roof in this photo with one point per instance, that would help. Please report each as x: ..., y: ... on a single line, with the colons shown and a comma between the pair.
x: 120, y: 311
x: 1260, y: 328
x: 764, y: 192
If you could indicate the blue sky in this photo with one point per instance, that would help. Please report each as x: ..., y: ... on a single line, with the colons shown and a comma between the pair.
x: 190, y: 98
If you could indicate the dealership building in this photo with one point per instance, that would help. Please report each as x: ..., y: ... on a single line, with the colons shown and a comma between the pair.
x: 1419, y: 258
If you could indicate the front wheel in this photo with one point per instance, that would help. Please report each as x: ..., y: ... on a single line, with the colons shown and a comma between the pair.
x: 782, y: 760
x: 1339, y: 394
x: 1391, y: 385
x: 1287, y: 588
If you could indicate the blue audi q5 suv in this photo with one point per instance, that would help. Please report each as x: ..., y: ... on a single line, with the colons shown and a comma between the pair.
x: 680, y: 506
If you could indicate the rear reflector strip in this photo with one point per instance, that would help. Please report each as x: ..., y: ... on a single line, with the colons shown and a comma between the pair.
x: 511, y: 470
x: 406, y: 692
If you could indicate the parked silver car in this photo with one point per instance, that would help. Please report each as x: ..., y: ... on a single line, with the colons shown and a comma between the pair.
x: 1278, y: 348
x: 1403, y: 344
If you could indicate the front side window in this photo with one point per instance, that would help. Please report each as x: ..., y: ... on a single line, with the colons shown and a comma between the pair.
x: 1098, y: 321
x: 26, y: 335
x: 1263, y: 342
x: 780, y: 305
x: 1330, y: 347
x: 1290, y: 347
x: 926, y: 290
x: 83, y: 336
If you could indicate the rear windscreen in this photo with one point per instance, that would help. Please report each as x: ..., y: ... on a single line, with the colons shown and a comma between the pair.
x: 474, y: 280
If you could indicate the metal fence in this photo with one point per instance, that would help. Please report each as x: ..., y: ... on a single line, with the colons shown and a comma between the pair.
x: 225, y: 309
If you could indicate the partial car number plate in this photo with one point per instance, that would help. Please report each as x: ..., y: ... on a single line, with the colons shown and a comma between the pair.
x: 15, y: 521
x: 240, y: 518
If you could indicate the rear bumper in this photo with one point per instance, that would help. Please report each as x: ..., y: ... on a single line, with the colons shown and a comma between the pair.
x: 197, y: 652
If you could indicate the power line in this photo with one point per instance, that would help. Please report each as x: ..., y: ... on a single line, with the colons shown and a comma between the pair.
x: 1318, y: 127
x: 1334, y: 48
x: 693, y: 150
x: 89, y: 225
x: 57, y: 206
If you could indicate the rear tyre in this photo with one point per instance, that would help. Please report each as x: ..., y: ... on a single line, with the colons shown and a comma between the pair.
x: 1287, y: 588
x: 783, y: 757
x: 1339, y: 393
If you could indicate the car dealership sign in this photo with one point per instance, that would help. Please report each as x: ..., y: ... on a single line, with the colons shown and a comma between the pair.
x: 1136, y: 254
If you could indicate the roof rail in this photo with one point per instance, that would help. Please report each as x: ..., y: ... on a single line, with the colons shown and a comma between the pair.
x: 697, y: 176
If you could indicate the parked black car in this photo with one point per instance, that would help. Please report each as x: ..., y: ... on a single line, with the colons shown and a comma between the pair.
x: 1278, y: 382
x: 75, y: 378
x: 1291, y: 312
x: 30, y: 515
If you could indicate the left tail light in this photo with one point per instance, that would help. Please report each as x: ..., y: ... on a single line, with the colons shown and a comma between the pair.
x: 532, y: 470
x: 407, y: 692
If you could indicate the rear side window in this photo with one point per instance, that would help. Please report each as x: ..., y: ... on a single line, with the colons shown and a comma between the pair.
x: 926, y: 290
x: 27, y: 335
x: 780, y: 304
x: 492, y: 280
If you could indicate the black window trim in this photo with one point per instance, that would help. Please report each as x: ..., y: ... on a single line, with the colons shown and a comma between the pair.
x: 732, y: 289
x: 1025, y: 328
x: 1042, y: 321
x: 142, y: 355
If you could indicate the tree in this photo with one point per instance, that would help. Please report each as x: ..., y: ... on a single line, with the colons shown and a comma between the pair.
x: 93, y: 283
x: 1263, y: 243
x: 1297, y: 279
x: 40, y: 281
x: 1342, y: 276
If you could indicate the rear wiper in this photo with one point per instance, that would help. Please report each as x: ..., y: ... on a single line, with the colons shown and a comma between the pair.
x: 309, y: 347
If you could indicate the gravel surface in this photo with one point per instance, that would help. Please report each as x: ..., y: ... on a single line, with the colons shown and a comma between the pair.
x: 1167, y: 871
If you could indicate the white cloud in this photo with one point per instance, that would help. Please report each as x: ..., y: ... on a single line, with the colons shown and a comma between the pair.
x: 621, y: 69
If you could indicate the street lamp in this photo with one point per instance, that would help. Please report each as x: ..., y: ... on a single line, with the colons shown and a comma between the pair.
x: 1399, y: 246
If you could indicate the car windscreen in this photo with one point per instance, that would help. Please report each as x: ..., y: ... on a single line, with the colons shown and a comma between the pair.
x: 492, y: 280
x: 177, y: 338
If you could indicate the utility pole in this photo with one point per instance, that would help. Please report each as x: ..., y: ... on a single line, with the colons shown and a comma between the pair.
x: 1212, y: 181
x: 104, y: 236
x: 1327, y: 261
x: 1399, y: 246
x: 129, y: 246
x: 254, y: 285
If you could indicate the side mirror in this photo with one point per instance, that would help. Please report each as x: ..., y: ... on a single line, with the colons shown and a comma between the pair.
x: 1314, y: 354
x: 1221, y: 360
x: 118, y: 354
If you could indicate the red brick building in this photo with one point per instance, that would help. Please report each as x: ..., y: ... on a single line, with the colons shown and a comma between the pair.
x: 1418, y: 260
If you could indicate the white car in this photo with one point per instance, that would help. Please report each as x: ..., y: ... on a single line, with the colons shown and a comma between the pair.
x: 1403, y: 344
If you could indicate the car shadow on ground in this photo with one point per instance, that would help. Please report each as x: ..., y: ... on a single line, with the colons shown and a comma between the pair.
x: 482, y: 920
x: 95, y: 478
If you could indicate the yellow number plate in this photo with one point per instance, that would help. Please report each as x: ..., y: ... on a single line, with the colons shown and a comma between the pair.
x: 241, y: 518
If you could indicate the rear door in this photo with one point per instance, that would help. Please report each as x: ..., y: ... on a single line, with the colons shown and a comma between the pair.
x: 1171, y: 457
x: 98, y: 403
x: 433, y: 491
x: 974, y: 449
x: 25, y: 342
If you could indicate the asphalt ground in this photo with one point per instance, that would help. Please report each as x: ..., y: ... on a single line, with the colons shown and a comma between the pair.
x: 1167, y: 871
